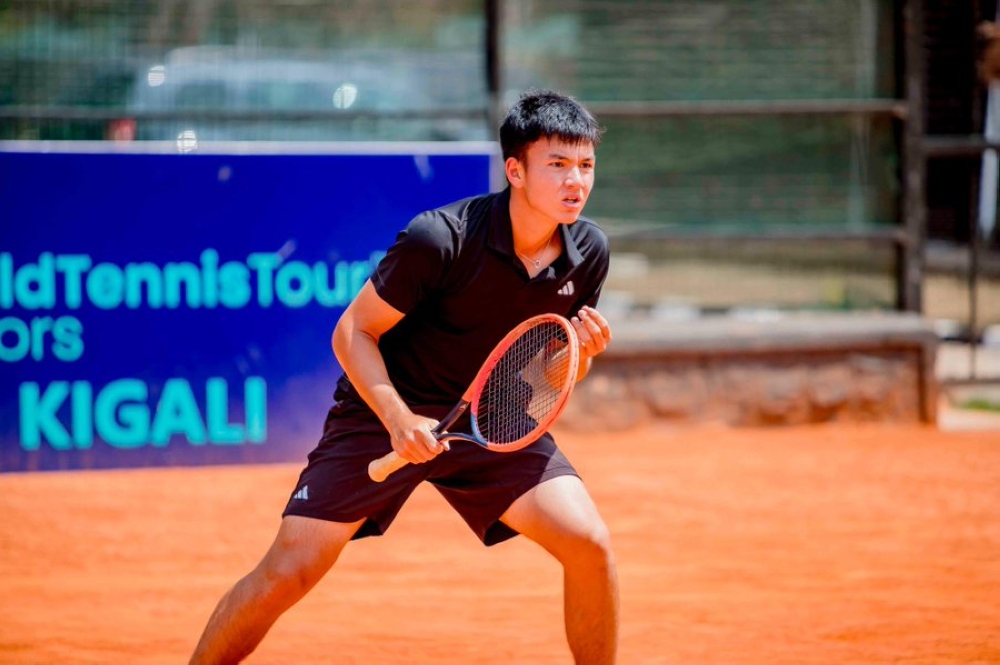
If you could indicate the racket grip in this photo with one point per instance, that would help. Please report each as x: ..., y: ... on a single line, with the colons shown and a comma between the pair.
x: 381, y: 468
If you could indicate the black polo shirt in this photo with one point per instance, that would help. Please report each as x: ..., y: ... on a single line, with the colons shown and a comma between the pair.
x: 454, y: 275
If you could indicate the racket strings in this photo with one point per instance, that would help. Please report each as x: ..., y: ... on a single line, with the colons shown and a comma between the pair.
x: 526, y: 385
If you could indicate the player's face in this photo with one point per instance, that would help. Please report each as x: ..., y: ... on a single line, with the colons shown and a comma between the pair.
x: 557, y: 177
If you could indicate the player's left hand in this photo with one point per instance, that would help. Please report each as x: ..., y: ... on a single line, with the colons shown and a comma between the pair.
x: 593, y: 331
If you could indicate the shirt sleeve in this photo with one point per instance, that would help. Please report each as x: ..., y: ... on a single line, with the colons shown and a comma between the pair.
x: 417, y: 262
x: 598, y: 254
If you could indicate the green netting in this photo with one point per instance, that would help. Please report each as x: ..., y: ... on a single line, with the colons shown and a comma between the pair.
x: 693, y: 50
x: 248, y: 70
x: 751, y: 172
x: 308, y: 70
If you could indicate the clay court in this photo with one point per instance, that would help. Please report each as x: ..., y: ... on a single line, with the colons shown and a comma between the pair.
x: 825, y: 544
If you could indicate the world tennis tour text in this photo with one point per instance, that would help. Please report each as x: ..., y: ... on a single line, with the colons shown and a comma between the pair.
x: 263, y: 279
x: 124, y: 413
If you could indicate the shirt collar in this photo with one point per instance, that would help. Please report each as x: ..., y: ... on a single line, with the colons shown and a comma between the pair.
x: 501, y: 235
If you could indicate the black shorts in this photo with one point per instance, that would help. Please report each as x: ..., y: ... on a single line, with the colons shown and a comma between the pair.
x: 478, y: 483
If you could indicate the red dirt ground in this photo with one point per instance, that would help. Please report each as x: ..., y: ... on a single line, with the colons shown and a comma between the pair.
x: 828, y: 544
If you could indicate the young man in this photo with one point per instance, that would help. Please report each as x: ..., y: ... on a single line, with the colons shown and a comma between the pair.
x: 455, y: 281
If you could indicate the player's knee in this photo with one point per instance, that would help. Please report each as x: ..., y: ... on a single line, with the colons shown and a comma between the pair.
x: 284, y: 580
x: 590, y: 547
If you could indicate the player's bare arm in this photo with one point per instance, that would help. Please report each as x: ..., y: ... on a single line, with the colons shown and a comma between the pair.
x: 594, y: 333
x: 355, y: 343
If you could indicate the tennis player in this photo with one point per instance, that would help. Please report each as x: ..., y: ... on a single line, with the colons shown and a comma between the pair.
x: 455, y: 281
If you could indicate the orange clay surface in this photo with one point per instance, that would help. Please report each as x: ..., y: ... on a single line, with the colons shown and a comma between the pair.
x: 828, y: 544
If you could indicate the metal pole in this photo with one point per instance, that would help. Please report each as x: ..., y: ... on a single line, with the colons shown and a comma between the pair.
x: 494, y: 75
x: 911, y: 264
x: 494, y: 85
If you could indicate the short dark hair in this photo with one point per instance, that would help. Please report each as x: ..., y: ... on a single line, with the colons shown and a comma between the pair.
x: 539, y: 114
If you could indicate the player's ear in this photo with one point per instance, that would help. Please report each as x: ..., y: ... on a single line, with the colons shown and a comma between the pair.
x: 515, y: 172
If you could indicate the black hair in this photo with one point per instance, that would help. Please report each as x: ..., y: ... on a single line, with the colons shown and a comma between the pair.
x: 546, y: 114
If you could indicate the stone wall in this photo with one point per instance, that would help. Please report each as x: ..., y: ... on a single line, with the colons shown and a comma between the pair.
x: 784, y: 371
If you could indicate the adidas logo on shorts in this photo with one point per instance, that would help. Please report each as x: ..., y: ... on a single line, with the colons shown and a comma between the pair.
x: 302, y: 494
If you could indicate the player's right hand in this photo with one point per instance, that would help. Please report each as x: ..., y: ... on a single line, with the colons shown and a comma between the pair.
x: 413, y: 440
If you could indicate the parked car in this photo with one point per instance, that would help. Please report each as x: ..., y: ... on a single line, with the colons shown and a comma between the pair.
x: 204, y: 95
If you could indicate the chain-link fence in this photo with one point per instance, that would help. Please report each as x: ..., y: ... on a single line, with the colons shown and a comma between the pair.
x: 759, y: 142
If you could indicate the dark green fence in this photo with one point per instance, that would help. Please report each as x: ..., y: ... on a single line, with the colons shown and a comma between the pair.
x: 773, y: 124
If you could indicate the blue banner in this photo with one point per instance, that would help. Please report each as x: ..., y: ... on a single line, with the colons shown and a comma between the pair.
x: 176, y: 309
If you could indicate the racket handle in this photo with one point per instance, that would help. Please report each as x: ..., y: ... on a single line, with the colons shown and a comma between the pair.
x: 381, y: 468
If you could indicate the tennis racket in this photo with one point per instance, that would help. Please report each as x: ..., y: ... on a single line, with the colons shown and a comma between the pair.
x: 518, y: 393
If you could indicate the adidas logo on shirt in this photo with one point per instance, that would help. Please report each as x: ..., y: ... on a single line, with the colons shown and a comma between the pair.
x: 567, y: 289
x: 302, y: 494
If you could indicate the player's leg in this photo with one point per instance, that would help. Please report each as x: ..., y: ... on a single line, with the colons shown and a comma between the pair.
x: 333, y: 501
x: 302, y: 552
x: 560, y: 516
